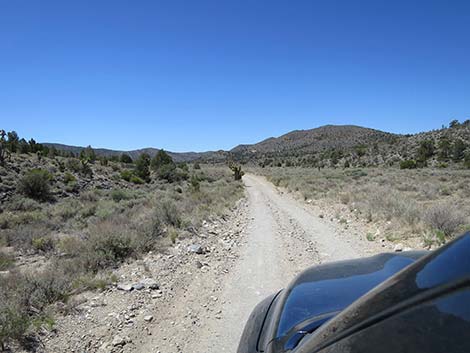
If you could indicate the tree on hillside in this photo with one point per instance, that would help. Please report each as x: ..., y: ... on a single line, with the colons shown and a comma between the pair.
x: 13, y: 141
x: 160, y: 159
x: 444, y: 149
x: 454, y: 123
x: 3, y: 147
x: 125, y: 158
x: 142, y: 167
x: 458, y: 150
x: 425, y: 150
x: 89, y: 154
x: 466, y: 160
x: 23, y: 146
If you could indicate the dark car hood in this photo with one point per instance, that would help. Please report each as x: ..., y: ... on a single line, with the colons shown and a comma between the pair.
x: 321, y: 292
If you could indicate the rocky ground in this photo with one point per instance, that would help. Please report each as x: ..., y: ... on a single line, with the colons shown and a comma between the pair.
x: 151, y: 295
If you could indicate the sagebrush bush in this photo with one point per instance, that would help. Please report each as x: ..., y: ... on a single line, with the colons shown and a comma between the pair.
x: 69, y: 178
x: 127, y: 174
x: 408, y: 164
x: 445, y: 218
x: 136, y: 180
x: 120, y: 194
x: 36, y: 184
x: 19, y: 293
x: 20, y: 203
x: 6, y: 260
x: 169, y: 214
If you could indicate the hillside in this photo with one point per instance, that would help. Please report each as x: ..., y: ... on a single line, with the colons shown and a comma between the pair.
x: 134, y: 154
x: 331, y: 146
x: 317, y: 140
x: 348, y: 145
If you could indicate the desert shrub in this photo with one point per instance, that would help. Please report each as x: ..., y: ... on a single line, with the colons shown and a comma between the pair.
x: 88, y: 211
x: 195, y: 184
x: 170, y: 173
x: 106, y: 208
x: 89, y: 281
x: 36, y: 184
x: 43, y: 244
x: 6, y: 260
x: 67, y: 209
x: 445, y: 218
x: 172, y: 234
x: 74, y: 165
x: 120, y: 194
x: 9, y: 220
x: 126, y: 175
x: 104, y: 161
x: 408, y: 164
x: 69, y: 178
x: 136, y: 180
x: 345, y: 198
x: 90, y: 196
x: 197, y: 166
x: 23, y: 234
x: 108, y: 244
x: 19, y: 293
x: 168, y: 214
x: 19, y: 203
x: 14, y: 317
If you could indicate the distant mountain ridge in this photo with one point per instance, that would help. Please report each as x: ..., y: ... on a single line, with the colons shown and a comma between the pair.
x: 329, y: 145
x: 134, y: 154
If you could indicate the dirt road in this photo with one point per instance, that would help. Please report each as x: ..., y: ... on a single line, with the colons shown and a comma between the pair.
x: 205, y: 297
x: 281, y: 239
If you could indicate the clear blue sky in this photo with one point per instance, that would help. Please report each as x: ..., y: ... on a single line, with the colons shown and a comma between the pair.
x: 200, y: 75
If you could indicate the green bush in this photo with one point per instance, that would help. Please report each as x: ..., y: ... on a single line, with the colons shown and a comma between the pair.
x: 142, y: 167
x: 73, y: 164
x: 168, y: 172
x: 36, y: 184
x: 168, y: 214
x: 136, y: 180
x: 195, y: 184
x: 126, y: 175
x: 69, y: 178
x: 161, y: 158
x: 408, y: 164
x: 119, y: 195
x: 43, y: 244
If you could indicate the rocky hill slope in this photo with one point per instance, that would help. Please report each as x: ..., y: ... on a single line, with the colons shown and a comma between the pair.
x: 333, y: 146
x: 349, y: 145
